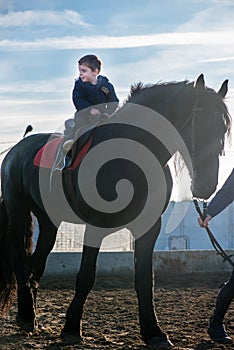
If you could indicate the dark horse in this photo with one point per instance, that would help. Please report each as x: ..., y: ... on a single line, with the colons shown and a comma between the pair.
x: 197, y: 114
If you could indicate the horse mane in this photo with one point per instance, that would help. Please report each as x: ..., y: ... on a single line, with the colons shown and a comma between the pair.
x: 176, y: 86
x: 228, y: 122
x: 136, y: 88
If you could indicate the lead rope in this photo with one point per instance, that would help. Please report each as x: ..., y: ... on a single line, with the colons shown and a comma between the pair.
x: 213, y: 240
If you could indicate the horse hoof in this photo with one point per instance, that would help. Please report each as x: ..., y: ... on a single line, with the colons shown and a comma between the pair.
x: 71, y: 338
x: 26, y: 325
x: 160, y: 343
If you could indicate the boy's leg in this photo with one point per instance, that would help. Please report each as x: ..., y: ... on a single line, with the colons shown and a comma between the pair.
x: 69, y: 132
x: 225, y: 296
x: 60, y: 161
x: 74, y: 127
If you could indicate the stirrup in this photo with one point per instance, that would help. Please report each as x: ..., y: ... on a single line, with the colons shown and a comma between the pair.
x: 68, y: 145
x: 58, y: 165
x: 64, y: 163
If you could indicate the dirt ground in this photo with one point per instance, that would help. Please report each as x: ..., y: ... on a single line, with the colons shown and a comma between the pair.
x: 111, y: 318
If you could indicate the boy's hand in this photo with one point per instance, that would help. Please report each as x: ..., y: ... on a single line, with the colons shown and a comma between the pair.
x: 94, y: 112
x: 205, y: 222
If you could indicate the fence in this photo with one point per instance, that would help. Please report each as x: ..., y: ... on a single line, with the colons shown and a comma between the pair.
x: 186, y: 236
x: 70, y: 239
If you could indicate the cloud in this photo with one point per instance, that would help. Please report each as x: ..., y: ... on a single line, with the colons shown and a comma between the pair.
x: 41, y: 18
x: 217, y: 16
x: 218, y: 59
x: 60, y: 85
x: 120, y: 42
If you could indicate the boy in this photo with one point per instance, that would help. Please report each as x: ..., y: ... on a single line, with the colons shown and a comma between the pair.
x: 90, y: 90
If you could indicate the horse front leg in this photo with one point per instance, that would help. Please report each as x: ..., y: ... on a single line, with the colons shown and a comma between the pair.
x: 71, y: 332
x: 151, y: 333
x: 84, y: 283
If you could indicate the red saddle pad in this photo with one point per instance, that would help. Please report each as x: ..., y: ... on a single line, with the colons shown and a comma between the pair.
x: 45, y: 157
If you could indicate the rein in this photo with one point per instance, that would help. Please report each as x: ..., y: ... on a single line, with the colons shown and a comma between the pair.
x: 191, y: 116
x: 213, y: 240
x: 5, y: 150
x: 192, y: 119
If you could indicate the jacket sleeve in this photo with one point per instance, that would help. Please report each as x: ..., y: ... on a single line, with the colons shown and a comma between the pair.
x: 78, y: 97
x: 223, y: 197
x: 112, y: 97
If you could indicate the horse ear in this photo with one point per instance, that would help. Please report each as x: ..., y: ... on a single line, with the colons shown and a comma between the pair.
x: 200, y: 82
x: 224, y: 89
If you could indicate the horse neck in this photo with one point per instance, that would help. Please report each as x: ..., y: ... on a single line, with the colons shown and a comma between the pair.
x: 177, y: 104
x: 174, y: 101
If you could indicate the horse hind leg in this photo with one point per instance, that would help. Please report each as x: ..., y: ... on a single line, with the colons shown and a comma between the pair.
x: 15, y: 249
x: 21, y: 233
x: 7, y: 277
x: 45, y: 243
x: 29, y: 278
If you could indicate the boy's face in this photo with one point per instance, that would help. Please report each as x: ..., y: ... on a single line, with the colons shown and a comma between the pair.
x: 87, y: 74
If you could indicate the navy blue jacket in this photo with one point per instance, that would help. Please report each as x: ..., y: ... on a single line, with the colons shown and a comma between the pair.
x: 223, y: 197
x: 86, y: 95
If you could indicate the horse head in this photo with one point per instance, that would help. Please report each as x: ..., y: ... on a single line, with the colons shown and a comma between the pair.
x: 209, y: 122
x: 200, y: 116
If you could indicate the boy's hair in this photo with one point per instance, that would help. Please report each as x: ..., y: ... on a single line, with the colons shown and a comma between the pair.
x: 91, y: 61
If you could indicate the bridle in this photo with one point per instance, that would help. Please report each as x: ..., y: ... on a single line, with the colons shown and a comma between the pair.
x: 192, y: 118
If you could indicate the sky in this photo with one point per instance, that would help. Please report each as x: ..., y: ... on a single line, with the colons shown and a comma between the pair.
x: 149, y: 41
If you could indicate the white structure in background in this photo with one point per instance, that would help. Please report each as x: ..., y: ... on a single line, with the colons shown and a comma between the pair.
x: 187, y: 236
x: 70, y: 238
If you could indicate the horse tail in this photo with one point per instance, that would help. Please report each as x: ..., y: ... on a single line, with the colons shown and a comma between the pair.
x: 7, y: 277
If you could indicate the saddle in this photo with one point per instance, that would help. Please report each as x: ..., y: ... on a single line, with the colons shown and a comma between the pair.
x: 46, y: 155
